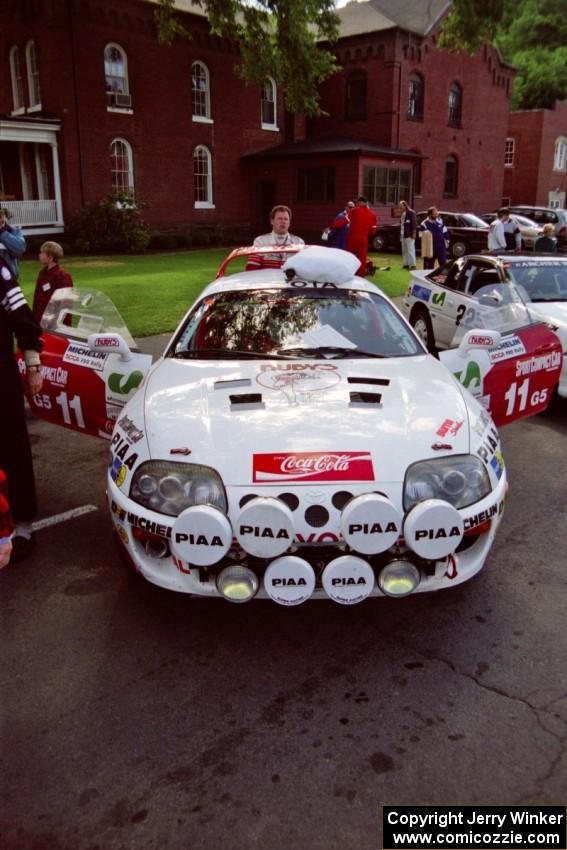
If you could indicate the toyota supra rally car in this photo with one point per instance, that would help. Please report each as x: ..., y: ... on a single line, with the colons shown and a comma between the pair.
x: 296, y: 440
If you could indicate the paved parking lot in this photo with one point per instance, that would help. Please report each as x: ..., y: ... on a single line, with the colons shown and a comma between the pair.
x: 137, y: 718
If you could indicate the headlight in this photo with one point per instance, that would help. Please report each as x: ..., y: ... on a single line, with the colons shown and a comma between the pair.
x: 460, y: 480
x: 169, y: 488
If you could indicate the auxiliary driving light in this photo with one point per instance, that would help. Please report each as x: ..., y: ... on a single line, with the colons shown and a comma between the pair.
x: 237, y: 584
x: 399, y: 578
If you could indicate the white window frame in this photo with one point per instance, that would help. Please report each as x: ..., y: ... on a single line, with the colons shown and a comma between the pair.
x: 17, y: 82
x: 509, y: 152
x: 560, y: 154
x: 269, y: 87
x: 41, y: 172
x: 34, y: 90
x: 26, y: 173
x: 124, y: 87
x: 208, y: 203
x: 203, y: 94
x: 130, y: 169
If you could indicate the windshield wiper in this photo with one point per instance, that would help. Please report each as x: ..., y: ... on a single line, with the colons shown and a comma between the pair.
x: 332, y: 350
x: 227, y: 353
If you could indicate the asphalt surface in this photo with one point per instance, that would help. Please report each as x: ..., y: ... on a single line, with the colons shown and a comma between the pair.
x: 137, y: 718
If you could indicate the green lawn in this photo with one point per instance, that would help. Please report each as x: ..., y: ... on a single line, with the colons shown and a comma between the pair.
x: 153, y: 291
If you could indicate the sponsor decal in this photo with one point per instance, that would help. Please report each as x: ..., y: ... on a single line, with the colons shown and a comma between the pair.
x: 482, y: 517
x: 348, y: 579
x: 288, y: 582
x: 118, y: 472
x: 181, y: 451
x: 313, y: 537
x: 491, y: 442
x: 439, y: 297
x: 449, y: 427
x: 55, y: 375
x: 180, y: 566
x: 120, y: 448
x: 440, y: 447
x: 497, y: 464
x: 123, y: 384
x: 421, y: 292
x: 106, y: 342
x: 149, y: 525
x: 436, y: 533
x: 312, y: 284
x: 258, y: 531
x: 547, y: 362
x: 481, y: 340
x: 472, y: 380
x: 118, y: 511
x: 121, y: 532
x: 482, y: 422
x: 84, y: 356
x: 132, y: 432
x: 198, y: 539
x: 313, y: 466
x: 511, y: 347
x: 304, y: 377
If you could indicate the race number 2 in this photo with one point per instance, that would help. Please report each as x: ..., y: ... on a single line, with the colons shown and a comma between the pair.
x: 67, y: 405
x: 521, y: 394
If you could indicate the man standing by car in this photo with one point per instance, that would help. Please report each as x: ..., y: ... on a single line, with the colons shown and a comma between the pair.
x: 362, y: 226
x: 512, y: 233
x: 280, y: 219
x: 408, y: 231
x: 496, y: 236
x: 340, y: 228
x: 12, y: 243
x: 435, y: 225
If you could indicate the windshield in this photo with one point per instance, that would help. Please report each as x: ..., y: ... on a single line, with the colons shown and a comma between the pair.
x: 496, y: 307
x: 291, y: 323
x: 473, y: 220
x: 543, y: 280
x: 78, y: 313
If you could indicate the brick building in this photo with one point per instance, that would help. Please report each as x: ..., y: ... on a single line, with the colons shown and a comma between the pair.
x: 535, y: 168
x: 96, y: 104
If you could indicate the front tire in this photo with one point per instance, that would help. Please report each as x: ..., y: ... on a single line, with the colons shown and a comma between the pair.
x: 459, y: 249
x: 379, y: 243
x: 421, y: 323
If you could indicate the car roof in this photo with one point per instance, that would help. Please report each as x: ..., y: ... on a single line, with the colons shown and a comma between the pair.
x: 501, y: 256
x: 276, y: 279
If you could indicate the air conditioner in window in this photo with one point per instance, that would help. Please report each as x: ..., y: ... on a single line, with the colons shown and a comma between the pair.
x: 124, y: 101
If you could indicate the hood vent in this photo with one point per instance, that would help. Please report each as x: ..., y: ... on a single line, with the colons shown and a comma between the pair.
x: 362, y: 399
x: 377, y: 382
x: 233, y: 385
x: 247, y: 401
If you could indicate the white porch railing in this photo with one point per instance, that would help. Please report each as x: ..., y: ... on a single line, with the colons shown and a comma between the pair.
x: 31, y: 213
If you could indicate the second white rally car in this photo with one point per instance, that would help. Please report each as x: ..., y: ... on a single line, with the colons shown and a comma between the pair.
x: 295, y: 441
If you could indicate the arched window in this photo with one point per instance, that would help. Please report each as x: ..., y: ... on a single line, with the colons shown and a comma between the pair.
x: 416, y: 97
x: 122, y: 167
x: 17, y: 82
x: 455, y: 105
x: 203, y: 177
x: 355, y: 96
x: 269, y: 105
x: 200, y: 92
x: 116, y: 77
x: 451, y: 176
x: 560, y: 154
x: 33, y: 76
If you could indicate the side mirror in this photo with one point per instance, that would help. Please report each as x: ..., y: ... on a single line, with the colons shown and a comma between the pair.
x: 110, y: 343
x: 479, y: 339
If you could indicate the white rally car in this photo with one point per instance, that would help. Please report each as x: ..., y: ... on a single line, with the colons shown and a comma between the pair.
x: 441, y: 304
x: 294, y: 441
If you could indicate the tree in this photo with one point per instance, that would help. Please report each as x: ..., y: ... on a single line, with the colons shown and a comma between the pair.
x: 277, y: 38
x: 532, y: 36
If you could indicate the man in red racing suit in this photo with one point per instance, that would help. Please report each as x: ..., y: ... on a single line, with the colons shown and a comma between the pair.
x: 362, y: 226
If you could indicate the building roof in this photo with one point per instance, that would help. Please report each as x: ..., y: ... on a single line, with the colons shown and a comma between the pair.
x: 417, y: 16
x: 184, y: 6
x: 332, y: 146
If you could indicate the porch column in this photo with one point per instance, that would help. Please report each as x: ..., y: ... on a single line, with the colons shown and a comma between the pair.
x: 57, y: 183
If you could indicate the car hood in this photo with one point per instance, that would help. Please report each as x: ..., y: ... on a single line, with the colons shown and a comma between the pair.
x: 551, y: 311
x: 223, y: 413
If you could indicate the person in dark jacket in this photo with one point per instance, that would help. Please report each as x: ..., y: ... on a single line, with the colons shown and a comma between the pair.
x: 51, y: 277
x: 545, y: 243
x: 408, y: 232
x: 436, y: 226
x: 12, y: 244
x: 339, y: 229
x: 17, y: 320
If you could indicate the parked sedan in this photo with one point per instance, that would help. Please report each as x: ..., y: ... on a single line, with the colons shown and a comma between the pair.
x: 528, y: 228
x: 467, y: 234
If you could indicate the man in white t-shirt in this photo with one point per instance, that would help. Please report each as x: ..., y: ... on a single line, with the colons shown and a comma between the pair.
x: 280, y: 219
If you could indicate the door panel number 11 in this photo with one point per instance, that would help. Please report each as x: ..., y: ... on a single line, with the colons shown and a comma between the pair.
x: 517, y: 397
x: 67, y: 405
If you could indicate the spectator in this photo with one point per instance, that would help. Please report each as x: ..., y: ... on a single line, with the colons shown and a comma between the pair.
x: 12, y: 244
x: 16, y: 319
x: 6, y: 524
x: 408, y: 232
x: 340, y: 228
x: 512, y: 232
x: 362, y: 226
x: 280, y: 219
x: 545, y: 243
x: 51, y: 277
x: 496, y: 236
x: 434, y: 224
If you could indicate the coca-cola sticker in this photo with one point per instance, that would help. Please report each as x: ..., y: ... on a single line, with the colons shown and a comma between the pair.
x: 313, y: 466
